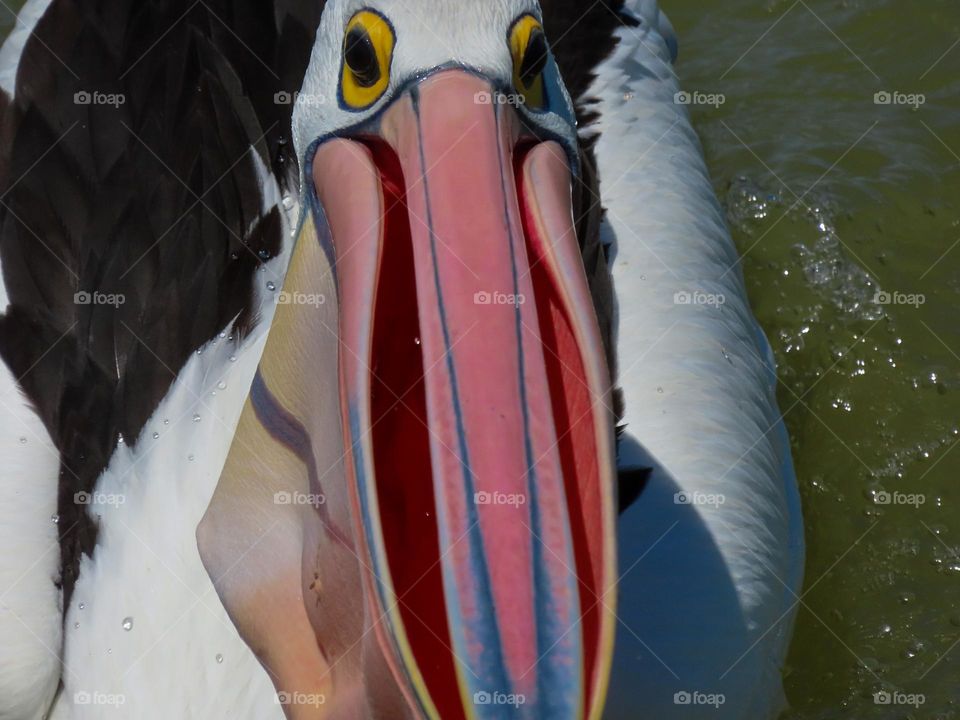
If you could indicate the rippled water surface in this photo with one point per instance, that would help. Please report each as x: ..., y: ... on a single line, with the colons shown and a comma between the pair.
x: 847, y: 213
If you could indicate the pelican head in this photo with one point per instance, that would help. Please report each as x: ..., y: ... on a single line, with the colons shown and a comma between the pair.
x: 462, y: 561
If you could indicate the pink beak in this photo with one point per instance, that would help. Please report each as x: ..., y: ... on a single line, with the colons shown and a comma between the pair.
x: 475, y: 402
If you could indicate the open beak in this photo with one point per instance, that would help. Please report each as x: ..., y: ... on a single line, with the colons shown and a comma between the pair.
x: 475, y: 403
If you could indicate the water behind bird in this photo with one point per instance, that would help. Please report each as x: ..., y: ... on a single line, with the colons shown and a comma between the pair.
x: 846, y: 212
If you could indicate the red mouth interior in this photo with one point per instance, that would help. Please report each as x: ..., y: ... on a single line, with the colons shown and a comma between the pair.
x: 401, y: 445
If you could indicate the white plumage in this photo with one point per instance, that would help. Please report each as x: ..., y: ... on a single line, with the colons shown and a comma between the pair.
x: 707, y: 599
x: 30, y: 615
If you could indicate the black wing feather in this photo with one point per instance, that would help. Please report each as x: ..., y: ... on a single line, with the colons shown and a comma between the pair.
x: 156, y: 199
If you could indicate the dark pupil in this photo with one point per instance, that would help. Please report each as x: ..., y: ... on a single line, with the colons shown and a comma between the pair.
x: 361, y: 58
x: 534, y: 59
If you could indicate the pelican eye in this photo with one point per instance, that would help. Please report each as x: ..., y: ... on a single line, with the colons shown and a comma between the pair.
x: 534, y: 59
x: 367, y: 53
x: 528, y: 45
x: 361, y: 58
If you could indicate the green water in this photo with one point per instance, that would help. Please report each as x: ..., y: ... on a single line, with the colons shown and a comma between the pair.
x: 832, y: 198
x: 7, y: 17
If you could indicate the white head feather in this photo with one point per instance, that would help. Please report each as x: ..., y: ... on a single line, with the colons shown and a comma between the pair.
x: 430, y: 35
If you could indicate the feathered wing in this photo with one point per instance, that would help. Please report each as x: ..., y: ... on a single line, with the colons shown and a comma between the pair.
x: 144, y: 158
x: 707, y: 596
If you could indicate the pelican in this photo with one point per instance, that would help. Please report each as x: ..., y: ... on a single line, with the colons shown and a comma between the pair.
x: 377, y: 360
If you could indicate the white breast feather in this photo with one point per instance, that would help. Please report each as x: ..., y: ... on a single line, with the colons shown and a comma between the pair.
x: 30, y: 616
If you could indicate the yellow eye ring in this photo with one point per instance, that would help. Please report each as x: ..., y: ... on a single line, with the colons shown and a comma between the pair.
x: 368, y: 43
x: 528, y: 46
